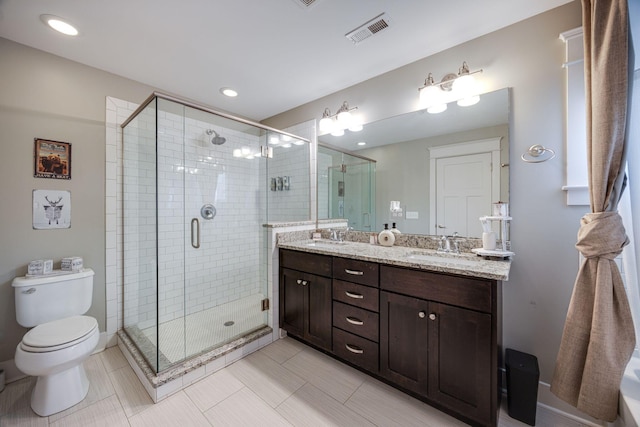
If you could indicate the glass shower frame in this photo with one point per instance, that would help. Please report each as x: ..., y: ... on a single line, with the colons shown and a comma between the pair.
x: 173, y: 257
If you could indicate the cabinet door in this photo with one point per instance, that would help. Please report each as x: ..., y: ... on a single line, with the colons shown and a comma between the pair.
x: 404, y: 341
x: 318, y: 316
x: 460, y: 360
x: 292, y: 302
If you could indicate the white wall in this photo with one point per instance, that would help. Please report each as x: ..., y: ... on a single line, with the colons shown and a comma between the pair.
x: 526, y: 57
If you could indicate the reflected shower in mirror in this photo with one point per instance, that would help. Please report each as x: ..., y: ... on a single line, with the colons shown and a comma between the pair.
x: 404, y: 148
x: 346, y: 187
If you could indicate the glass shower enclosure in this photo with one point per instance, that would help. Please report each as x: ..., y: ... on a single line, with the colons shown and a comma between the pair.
x: 196, y: 188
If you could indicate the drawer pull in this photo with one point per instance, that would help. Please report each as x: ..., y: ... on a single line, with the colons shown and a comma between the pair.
x: 354, y: 349
x: 352, y: 295
x: 354, y: 272
x: 354, y: 321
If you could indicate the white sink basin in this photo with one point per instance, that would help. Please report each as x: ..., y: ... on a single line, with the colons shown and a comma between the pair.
x: 441, y: 259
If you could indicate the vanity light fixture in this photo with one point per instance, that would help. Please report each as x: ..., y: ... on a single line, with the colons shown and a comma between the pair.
x: 335, y: 124
x: 459, y: 87
x: 59, y: 24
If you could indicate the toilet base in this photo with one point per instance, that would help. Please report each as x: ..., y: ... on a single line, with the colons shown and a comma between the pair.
x: 57, y: 392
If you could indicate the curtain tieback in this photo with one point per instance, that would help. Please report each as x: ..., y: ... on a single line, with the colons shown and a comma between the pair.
x: 601, y: 235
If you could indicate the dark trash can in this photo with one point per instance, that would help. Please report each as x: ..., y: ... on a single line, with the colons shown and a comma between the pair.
x: 522, y: 385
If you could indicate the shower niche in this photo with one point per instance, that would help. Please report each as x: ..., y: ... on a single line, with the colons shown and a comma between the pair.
x: 195, y: 279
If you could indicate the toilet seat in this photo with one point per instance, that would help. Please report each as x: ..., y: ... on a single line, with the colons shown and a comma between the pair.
x: 59, y: 334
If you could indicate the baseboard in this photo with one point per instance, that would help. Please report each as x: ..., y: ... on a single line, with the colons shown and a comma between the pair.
x: 11, y: 371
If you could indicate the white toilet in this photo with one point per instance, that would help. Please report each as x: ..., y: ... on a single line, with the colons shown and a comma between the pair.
x: 60, y: 341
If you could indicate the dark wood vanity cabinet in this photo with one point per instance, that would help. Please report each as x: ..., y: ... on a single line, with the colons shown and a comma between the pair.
x: 432, y: 334
x: 305, y: 297
x: 438, y: 339
x: 355, y: 312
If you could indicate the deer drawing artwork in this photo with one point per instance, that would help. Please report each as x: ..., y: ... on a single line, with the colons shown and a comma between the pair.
x: 53, y: 211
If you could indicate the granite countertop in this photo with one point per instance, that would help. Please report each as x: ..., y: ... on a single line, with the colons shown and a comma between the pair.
x: 464, y: 264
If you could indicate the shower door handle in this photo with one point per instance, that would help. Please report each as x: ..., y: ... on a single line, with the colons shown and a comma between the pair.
x: 195, y: 235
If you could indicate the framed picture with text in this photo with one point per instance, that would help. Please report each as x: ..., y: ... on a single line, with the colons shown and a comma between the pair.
x: 52, y: 159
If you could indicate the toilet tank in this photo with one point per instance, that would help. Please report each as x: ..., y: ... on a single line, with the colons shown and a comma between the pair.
x: 41, y: 299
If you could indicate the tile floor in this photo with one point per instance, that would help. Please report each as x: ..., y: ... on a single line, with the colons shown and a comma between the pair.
x: 284, y: 384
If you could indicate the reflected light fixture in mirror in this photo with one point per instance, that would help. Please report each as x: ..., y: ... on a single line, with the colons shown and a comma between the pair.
x: 459, y: 87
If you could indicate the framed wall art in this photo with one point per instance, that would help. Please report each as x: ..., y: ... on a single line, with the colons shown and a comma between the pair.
x: 52, y: 159
x: 51, y: 209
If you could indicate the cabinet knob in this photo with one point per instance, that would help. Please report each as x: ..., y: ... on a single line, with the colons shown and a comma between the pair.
x: 422, y: 314
x: 432, y: 316
x: 305, y: 283
x: 299, y: 281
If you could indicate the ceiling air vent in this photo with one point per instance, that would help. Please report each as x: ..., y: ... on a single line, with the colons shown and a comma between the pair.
x: 368, y: 29
x: 306, y: 3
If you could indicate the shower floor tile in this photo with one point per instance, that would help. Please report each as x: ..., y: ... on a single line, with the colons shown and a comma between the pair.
x: 198, y: 332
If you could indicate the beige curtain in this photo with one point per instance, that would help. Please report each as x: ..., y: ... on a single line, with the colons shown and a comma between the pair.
x: 598, y: 337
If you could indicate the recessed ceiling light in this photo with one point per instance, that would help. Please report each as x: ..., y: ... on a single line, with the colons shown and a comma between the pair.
x: 227, y: 91
x: 362, y: 143
x: 59, y: 25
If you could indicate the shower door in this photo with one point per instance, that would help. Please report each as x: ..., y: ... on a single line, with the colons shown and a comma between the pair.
x: 212, y: 277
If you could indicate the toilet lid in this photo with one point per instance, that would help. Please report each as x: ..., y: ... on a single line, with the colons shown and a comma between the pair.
x: 59, y: 333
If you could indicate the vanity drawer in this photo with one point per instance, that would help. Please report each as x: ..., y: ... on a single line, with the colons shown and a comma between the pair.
x: 305, y: 261
x: 475, y: 294
x: 357, y: 350
x: 355, y: 320
x: 355, y: 294
x: 351, y: 270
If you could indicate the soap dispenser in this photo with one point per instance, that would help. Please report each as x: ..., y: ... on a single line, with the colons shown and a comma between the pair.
x: 386, y: 237
x: 394, y: 230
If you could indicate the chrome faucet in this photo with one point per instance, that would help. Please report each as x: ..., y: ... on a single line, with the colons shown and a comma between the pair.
x: 445, y: 244
x: 342, y: 234
x: 333, y: 234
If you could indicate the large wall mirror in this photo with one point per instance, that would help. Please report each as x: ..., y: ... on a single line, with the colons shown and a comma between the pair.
x: 445, y: 170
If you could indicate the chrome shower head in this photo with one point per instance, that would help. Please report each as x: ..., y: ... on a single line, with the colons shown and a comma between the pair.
x: 217, y: 139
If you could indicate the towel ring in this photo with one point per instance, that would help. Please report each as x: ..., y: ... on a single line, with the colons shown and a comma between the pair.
x: 538, y: 154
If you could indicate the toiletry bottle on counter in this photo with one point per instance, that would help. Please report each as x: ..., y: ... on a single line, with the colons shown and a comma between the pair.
x: 394, y: 230
x: 386, y: 237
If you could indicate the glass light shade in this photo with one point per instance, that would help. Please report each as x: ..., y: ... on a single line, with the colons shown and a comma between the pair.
x: 344, y: 118
x: 464, y: 86
x: 326, y: 125
x: 467, y: 102
x: 355, y: 127
x: 437, y: 108
x: 337, y: 131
